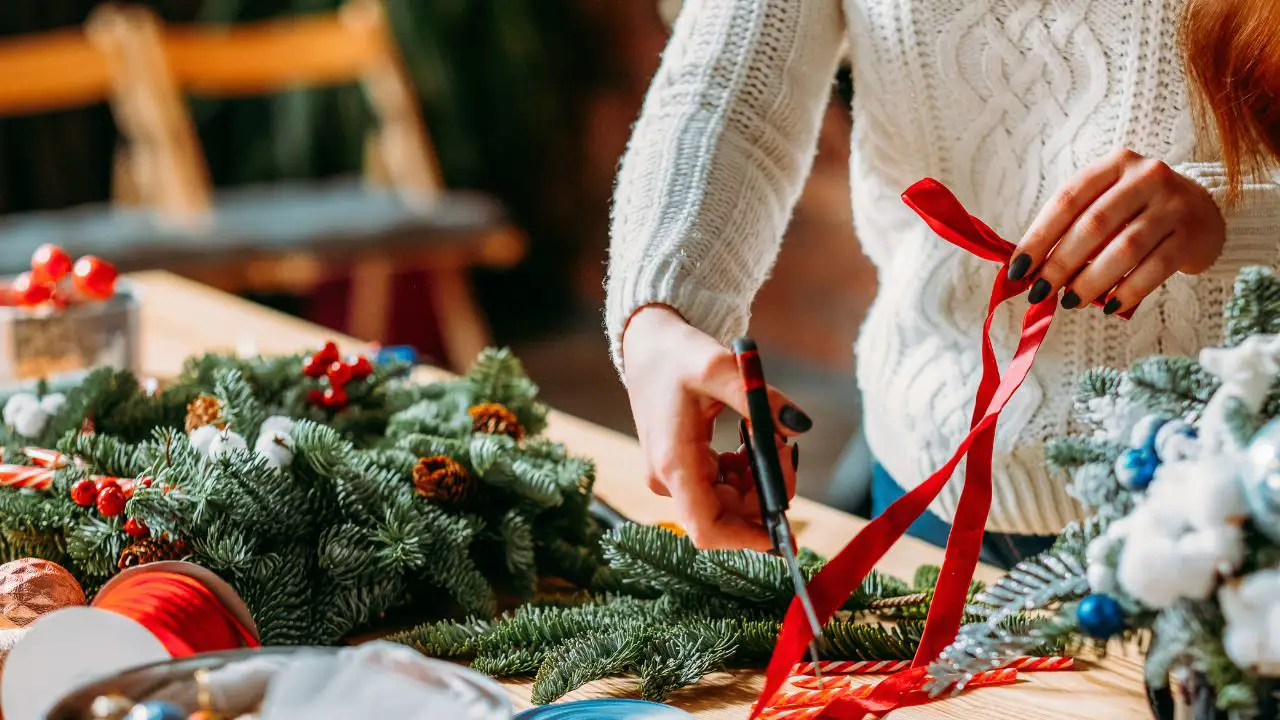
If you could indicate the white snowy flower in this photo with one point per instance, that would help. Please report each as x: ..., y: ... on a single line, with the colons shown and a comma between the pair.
x: 276, y: 424
x: 224, y: 442
x: 1251, y: 606
x: 276, y: 447
x: 1246, y: 372
x: 203, y: 437
x: 25, y: 414
x: 1202, y: 493
x: 53, y: 402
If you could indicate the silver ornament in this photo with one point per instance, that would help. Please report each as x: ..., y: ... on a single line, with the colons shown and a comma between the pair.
x: 1260, y: 476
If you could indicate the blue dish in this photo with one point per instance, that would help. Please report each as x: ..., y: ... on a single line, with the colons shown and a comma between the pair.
x: 606, y: 709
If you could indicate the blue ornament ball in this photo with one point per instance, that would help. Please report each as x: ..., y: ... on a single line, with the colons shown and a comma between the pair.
x: 1136, y: 468
x: 156, y: 710
x: 1144, y: 433
x: 1100, y: 616
x: 1260, y: 477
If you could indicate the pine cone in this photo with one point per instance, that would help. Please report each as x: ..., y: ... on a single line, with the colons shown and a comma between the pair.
x: 495, y: 419
x: 443, y: 479
x: 204, y: 410
x: 152, y: 550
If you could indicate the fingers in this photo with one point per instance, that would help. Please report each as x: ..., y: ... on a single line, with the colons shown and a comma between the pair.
x: 710, y: 525
x: 1092, y: 230
x: 1119, y: 258
x: 1150, y: 274
x: 1061, y: 212
x: 719, y: 379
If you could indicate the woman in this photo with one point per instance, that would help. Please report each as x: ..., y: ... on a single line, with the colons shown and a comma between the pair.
x: 1062, y: 124
x: 1232, y: 50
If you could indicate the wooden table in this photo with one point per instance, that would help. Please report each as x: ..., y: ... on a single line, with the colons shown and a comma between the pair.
x: 180, y: 318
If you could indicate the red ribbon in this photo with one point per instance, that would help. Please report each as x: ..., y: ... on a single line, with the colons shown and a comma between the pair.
x: 833, y: 585
x: 184, y: 615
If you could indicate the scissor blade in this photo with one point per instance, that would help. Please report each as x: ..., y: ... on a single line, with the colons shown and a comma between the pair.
x: 786, y: 545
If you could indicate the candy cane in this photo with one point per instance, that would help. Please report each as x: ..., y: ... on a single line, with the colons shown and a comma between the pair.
x: 25, y: 476
x: 805, y: 704
x: 841, y: 669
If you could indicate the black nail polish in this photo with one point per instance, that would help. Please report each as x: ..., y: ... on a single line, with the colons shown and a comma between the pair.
x: 1039, y: 291
x: 1070, y: 300
x: 794, y: 419
x: 1111, y: 307
x: 1019, y: 267
x: 795, y: 456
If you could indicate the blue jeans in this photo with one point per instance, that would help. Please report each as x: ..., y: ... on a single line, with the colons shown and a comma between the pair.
x: 999, y: 549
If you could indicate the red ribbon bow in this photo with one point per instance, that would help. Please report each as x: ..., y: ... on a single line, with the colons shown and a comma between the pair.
x: 833, y: 585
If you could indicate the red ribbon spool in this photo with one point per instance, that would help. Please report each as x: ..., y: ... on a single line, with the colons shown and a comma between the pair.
x: 184, y: 615
x: 833, y: 585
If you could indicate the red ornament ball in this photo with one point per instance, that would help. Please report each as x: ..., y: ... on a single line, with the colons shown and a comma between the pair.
x: 95, y: 277
x: 335, y: 398
x: 137, y: 528
x: 84, y: 492
x: 111, y: 501
x: 339, y: 374
x: 29, y: 291
x: 361, y: 368
x: 314, y: 366
x: 329, y: 353
x: 50, y: 263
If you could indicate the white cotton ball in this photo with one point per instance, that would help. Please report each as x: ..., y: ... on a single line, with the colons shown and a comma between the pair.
x: 30, y: 421
x: 225, y: 442
x: 53, y: 402
x: 1149, y: 572
x: 1102, y: 579
x: 203, y: 437
x: 1205, y: 556
x: 276, y: 424
x: 1201, y: 493
x: 17, y: 405
x: 1251, y: 607
x: 277, y: 448
x: 1099, y: 549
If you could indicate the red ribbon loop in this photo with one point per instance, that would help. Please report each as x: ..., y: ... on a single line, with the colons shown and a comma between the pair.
x: 833, y: 585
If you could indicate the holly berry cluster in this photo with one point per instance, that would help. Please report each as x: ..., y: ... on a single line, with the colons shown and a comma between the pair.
x: 54, y: 279
x: 109, y: 495
x: 327, y: 365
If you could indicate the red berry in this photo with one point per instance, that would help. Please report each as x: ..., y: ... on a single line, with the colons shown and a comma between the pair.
x: 27, y: 291
x: 50, y: 263
x: 95, y: 277
x: 339, y: 374
x: 84, y: 492
x: 106, y: 482
x: 314, y: 366
x: 316, y: 396
x: 111, y: 501
x: 361, y: 368
x: 335, y: 397
x: 136, y: 528
x: 329, y: 353
x: 145, y: 482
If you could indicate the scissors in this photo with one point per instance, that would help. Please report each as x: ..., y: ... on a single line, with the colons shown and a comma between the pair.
x: 758, y: 432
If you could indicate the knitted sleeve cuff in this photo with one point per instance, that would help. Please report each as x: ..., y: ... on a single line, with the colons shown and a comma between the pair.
x: 1253, y: 224
x: 667, y: 281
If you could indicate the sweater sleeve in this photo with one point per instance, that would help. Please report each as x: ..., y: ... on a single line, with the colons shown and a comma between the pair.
x: 1253, y: 225
x: 718, y: 158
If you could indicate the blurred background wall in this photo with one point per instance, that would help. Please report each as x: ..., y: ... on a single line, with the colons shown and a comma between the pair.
x: 532, y: 101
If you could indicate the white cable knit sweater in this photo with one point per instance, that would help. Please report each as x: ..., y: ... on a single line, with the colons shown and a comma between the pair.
x: 1001, y: 100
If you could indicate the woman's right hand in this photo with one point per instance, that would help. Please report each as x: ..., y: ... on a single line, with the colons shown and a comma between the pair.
x: 679, y: 380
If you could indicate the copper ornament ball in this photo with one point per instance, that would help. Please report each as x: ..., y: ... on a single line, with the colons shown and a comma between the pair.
x: 31, y: 587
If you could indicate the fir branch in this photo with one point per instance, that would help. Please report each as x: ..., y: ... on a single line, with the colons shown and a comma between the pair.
x: 1254, y: 307
x: 1173, y: 386
x: 517, y: 536
x: 683, y: 655
x: 753, y: 577
x: 109, y: 454
x: 1072, y: 452
x: 653, y: 559
x: 869, y: 641
x: 240, y: 408
x: 444, y: 639
x: 95, y: 545
x: 1098, y: 383
x: 510, y: 662
x: 587, y: 658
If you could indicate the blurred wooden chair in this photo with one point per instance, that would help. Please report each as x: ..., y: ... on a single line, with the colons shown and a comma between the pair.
x: 292, y: 236
x: 67, y: 69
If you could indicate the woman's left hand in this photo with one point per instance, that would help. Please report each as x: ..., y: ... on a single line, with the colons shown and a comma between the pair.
x: 1118, y: 230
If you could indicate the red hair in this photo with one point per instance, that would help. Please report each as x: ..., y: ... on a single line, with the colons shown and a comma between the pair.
x: 1232, y: 53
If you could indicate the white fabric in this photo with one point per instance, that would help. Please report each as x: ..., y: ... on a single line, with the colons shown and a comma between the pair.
x: 1002, y: 100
